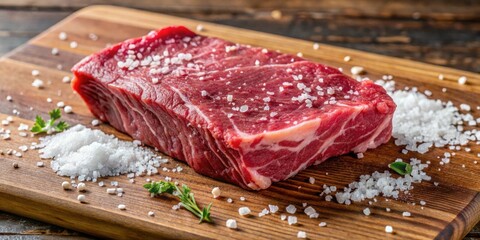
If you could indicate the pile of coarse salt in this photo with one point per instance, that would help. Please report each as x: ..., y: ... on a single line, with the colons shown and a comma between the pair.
x: 88, y: 154
x: 384, y: 184
x: 420, y: 123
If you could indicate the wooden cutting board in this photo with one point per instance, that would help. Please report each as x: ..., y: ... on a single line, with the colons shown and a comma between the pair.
x: 452, y: 209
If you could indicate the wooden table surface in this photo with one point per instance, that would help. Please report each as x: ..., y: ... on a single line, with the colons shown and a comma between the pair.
x: 443, y: 32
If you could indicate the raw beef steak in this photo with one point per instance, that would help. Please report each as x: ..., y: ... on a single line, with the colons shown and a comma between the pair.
x: 242, y: 114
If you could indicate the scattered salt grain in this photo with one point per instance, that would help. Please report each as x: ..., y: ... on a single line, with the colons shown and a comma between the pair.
x: 73, y: 44
x: 81, y: 187
x: 93, y: 36
x: 54, y: 51
x: 322, y: 224
x: 366, y: 211
x: 231, y: 223
x: 216, y: 192
x: 35, y: 72
x: 23, y: 148
x: 151, y: 213
x: 357, y: 70
x: 37, y: 83
x: 68, y: 109
x: 111, y: 191
x: 229, y: 200
x: 360, y: 155
x: 9, y: 98
x: 292, y: 220
x: 291, y: 209
x: 316, y: 46
x: 90, y: 154
x: 406, y: 214
x: 122, y: 207
x: 95, y: 122
x: 273, y: 208
x: 347, y: 59
x: 40, y: 164
x: 283, y: 217
x: 388, y: 229
x: 301, y: 234
x: 462, y: 80
x: 66, y: 79
x: 60, y: 104
x: 311, y: 180
x: 66, y: 185
x: 200, y: 28
x: 81, y: 198
x: 62, y: 36
x: 243, y: 211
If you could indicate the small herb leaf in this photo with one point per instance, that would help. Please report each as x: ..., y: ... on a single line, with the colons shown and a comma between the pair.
x: 40, y: 126
x: 185, y: 195
x: 401, y: 168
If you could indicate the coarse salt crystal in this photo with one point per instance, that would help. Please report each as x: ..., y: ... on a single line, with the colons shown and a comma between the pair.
x: 462, y: 80
x: 366, y: 211
x: 231, y: 223
x: 388, y: 229
x: 316, y: 46
x: 122, y: 207
x: 357, y: 70
x: 151, y: 213
x: 406, y: 214
x: 243, y: 108
x: 81, y: 187
x: 81, y: 198
x: 292, y: 220
x: 95, y: 122
x: 301, y: 234
x: 311, y: 180
x: 54, y: 51
x: 35, y: 72
x: 73, y: 44
x: 37, y: 83
x: 216, y: 192
x: 68, y: 109
x: 273, y: 208
x: 243, y: 211
x: 200, y: 28
x: 62, y: 36
x: 9, y: 98
x: 347, y: 59
x: 291, y: 209
x: 322, y: 224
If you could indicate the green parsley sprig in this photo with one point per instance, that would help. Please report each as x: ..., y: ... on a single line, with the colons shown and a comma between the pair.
x: 401, y: 168
x: 185, y: 195
x: 49, y: 127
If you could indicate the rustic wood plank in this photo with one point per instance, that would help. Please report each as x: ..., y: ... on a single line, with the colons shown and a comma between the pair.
x: 452, y: 209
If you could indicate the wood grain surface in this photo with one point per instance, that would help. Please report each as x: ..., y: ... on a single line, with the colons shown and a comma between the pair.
x: 451, y: 211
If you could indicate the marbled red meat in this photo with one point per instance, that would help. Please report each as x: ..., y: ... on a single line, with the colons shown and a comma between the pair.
x: 242, y: 114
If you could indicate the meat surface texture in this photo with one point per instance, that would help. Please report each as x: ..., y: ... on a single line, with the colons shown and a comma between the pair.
x: 242, y: 114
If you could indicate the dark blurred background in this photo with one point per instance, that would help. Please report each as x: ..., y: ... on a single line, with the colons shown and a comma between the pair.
x: 442, y: 32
